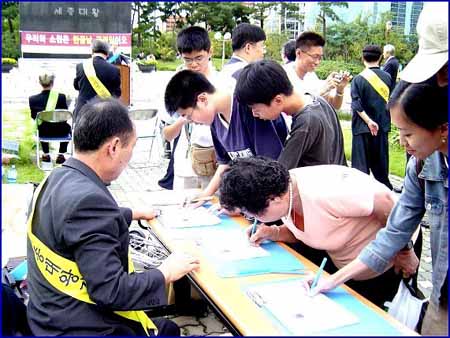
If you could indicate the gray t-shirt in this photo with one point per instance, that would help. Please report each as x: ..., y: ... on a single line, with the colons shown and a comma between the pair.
x: 315, y: 138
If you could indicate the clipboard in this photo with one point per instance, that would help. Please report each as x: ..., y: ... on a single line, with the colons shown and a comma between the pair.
x: 369, y: 322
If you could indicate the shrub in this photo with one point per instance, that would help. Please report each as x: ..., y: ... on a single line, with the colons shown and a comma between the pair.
x: 147, y: 62
x: 328, y: 66
x: 165, y: 47
x: 9, y: 61
x: 217, y: 45
x: 274, y: 43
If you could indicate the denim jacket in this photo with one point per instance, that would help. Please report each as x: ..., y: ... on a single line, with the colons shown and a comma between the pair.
x: 407, y: 215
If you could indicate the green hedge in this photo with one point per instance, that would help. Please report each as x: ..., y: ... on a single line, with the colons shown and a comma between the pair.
x: 328, y: 66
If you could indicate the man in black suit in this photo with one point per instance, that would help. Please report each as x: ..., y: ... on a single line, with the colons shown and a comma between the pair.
x: 108, y: 75
x: 48, y: 99
x: 371, y: 121
x: 80, y: 278
x: 391, y: 64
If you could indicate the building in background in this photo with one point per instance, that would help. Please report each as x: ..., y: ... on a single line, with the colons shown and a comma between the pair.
x: 404, y: 16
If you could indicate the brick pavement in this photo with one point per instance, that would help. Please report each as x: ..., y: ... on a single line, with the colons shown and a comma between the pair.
x: 136, y: 178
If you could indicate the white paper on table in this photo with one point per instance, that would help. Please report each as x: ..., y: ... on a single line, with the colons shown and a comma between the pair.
x: 230, y: 245
x: 177, y: 217
x: 301, y: 314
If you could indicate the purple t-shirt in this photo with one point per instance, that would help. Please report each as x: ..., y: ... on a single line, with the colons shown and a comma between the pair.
x: 247, y: 135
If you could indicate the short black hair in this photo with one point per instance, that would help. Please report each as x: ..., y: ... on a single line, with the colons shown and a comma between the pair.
x: 99, y: 120
x: 193, y: 38
x: 184, y: 88
x: 372, y: 53
x: 99, y: 46
x: 289, y: 50
x: 308, y: 40
x: 246, y: 33
x: 423, y: 104
x: 261, y: 81
x: 251, y: 183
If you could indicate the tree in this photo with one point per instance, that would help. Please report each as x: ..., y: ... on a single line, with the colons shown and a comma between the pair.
x: 289, y: 10
x: 261, y: 11
x: 146, y: 21
x: 326, y: 11
x: 347, y: 40
x: 10, y: 11
x: 10, y: 29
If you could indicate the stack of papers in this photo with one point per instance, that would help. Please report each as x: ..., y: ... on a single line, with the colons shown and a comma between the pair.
x: 178, y: 217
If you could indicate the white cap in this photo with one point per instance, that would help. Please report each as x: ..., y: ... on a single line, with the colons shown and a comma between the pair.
x: 432, y: 30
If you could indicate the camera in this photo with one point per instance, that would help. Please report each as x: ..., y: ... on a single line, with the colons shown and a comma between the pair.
x: 339, y: 77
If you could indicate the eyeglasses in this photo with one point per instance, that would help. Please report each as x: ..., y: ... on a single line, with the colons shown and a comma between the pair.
x: 197, y: 59
x: 315, y: 57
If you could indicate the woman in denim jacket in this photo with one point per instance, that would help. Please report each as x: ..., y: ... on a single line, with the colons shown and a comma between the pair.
x: 420, y: 113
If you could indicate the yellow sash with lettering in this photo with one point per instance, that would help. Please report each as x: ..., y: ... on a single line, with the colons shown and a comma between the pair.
x: 64, y: 275
x: 52, y: 100
x: 99, y: 87
x: 377, y: 84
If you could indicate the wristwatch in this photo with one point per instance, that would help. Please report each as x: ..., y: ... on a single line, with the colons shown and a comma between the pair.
x: 408, y: 246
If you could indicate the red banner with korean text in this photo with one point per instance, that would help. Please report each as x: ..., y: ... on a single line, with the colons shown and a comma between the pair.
x: 70, y: 43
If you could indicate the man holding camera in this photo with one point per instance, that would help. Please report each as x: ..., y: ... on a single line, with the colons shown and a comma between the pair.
x: 309, y: 53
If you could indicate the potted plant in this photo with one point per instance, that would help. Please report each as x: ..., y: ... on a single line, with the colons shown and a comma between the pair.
x: 8, y: 64
x: 147, y: 66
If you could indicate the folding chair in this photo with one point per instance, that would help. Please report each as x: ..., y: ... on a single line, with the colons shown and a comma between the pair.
x: 145, y: 129
x: 54, y: 116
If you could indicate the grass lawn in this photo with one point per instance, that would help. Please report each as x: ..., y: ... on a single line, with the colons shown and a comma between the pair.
x: 18, y: 126
x: 397, y: 157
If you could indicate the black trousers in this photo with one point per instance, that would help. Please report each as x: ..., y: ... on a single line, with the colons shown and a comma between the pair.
x: 371, y: 153
x: 54, y: 130
x: 165, y: 327
x: 14, y: 314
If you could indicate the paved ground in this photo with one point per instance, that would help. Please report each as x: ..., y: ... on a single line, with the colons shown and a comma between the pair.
x: 139, y: 176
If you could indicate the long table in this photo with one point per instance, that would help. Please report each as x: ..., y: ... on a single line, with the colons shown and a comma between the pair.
x: 242, y: 316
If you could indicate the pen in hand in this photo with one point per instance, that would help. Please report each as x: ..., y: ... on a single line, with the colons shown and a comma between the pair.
x: 318, y: 274
x: 253, y: 227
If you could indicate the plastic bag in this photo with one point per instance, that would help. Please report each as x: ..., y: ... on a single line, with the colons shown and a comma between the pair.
x: 406, y: 307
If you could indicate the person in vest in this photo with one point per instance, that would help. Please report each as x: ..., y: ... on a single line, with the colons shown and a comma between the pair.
x: 371, y: 121
x: 50, y: 99
x: 249, y: 45
x: 80, y: 274
x: 96, y: 77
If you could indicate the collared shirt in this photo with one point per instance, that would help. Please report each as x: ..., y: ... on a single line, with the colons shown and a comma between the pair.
x: 407, y: 215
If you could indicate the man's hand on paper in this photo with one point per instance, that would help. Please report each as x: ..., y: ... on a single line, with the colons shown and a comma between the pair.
x: 147, y: 214
x: 407, y: 262
x: 177, y: 265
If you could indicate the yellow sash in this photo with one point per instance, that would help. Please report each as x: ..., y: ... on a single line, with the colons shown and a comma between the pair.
x: 64, y: 275
x: 52, y: 100
x: 100, y: 89
x: 376, y: 83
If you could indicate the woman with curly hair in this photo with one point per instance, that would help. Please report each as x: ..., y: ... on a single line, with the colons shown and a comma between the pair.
x: 326, y: 207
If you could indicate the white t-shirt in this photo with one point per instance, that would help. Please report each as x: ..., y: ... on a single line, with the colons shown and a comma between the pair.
x: 309, y: 84
x: 200, y: 135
